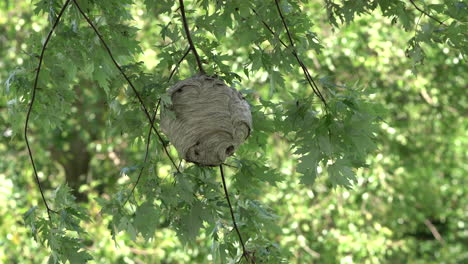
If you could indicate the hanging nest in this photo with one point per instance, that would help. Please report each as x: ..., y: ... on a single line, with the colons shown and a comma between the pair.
x: 211, y: 120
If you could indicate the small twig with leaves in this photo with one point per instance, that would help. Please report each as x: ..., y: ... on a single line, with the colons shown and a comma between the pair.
x: 33, y: 98
x: 178, y: 63
x: 426, y: 13
x: 304, y: 68
x: 137, y: 94
x: 189, y: 38
x: 148, y: 140
x: 245, y: 253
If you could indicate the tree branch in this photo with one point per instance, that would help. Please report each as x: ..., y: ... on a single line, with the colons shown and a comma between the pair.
x: 304, y: 68
x: 434, y: 231
x: 145, y: 110
x: 245, y: 253
x: 425, y: 13
x: 148, y: 141
x: 33, y: 98
x: 150, y: 129
x: 189, y: 38
x: 178, y: 63
x: 284, y: 24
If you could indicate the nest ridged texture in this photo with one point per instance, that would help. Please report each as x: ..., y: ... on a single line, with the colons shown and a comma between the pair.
x: 211, y: 120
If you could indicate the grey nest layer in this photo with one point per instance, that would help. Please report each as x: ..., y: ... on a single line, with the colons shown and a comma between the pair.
x: 212, y: 120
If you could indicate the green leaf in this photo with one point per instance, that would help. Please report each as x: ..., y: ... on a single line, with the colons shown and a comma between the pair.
x: 146, y: 220
x: 192, y: 222
x: 63, y: 196
x: 276, y: 79
x: 308, y: 167
x: 102, y: 78
x: 30, y: 220
x: 325, y: 144
x: 341, y: 174
x: 252, y: 173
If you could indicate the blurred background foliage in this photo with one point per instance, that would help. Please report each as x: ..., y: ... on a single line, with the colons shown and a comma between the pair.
x: 408, y: 205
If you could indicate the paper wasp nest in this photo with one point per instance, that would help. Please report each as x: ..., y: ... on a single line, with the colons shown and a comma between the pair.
x: 211, y: 120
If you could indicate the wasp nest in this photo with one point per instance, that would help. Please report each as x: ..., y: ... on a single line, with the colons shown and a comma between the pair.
x: 211, y: 120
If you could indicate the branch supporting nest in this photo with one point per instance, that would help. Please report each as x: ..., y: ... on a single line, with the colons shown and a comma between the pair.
x: 245, y: 253
x: 189, y: 38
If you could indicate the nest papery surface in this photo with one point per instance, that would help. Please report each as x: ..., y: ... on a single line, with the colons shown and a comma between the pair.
x: 211, y: 120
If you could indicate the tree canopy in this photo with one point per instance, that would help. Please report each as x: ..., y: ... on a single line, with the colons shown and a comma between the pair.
x: 357, y: 153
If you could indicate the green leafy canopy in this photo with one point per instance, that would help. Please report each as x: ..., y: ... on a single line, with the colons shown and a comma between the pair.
x: 83, y: 102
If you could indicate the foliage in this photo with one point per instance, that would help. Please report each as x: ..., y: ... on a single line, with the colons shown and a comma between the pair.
x: 304, y: 187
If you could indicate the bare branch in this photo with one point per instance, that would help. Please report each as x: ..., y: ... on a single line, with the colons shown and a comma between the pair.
x: 434, y: 231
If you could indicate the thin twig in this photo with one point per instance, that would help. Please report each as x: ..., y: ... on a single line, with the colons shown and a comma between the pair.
x: 180, y: 163
x: 148, y: 140
x: 189, y: 38
x: 427, y: 14
x: 229, y: 165
x: 284, y: 24
x: 176, y: 66
x: 245, y: 253
x: 33, y: 98
x: 178, y: 63
x: 311, y: 252
x: 145, y: 110
x: 305, y: 70
x: 434, y: 231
